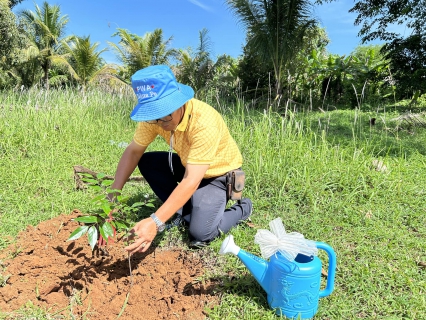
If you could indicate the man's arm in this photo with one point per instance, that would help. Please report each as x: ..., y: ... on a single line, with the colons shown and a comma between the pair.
x: 146, y: 229
x: 194, y: 173
x: 127, y: 164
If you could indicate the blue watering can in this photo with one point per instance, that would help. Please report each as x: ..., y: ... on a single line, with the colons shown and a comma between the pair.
x: 292, y: 287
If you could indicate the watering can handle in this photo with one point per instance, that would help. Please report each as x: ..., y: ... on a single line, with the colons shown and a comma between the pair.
x: 331, y: 268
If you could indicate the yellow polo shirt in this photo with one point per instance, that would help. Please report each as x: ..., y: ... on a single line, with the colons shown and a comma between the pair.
x: 202, y: 137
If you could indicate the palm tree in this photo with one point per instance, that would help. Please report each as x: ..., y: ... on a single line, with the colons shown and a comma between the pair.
x: 84, y: 61
x: 45, y: 28
x: 137, y: 52
x: 196, y: 67
x: 198, y: 70
x: 275, y: 30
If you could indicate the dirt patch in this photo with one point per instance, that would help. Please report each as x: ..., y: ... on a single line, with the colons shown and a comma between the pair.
x: 69, y: 279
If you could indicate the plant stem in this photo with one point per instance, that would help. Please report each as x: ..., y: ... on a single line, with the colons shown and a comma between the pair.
x: 130, y: 268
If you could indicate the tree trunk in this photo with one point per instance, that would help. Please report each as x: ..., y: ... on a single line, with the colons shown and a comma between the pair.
x: 46, y: 76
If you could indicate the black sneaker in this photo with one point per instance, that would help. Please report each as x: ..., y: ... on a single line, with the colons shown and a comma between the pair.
x: 198, y: 244
x: 177, y: 221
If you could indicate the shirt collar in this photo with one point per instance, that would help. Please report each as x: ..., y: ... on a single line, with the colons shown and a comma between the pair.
x: 185, y: 119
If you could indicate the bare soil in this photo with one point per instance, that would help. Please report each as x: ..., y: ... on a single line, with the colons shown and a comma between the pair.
x: 68, y: 279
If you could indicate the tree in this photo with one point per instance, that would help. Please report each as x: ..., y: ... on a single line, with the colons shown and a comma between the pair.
x: 377, y: 18
x: 254, y: 74
x: 45, y: 28
x: 408, y: 65
x: 405, y: 53
x: 275, y: 30
x: 13, y: 3
x: 8, y: 36
x: 83, y: 60
x: 198, y: 70
x: 137, y: 52
x: 8, y: 30
x: 314, y: 43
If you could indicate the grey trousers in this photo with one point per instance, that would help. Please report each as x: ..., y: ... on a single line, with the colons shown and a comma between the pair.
x: 206, y: 208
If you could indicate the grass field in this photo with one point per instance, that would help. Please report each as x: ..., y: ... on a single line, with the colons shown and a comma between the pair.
x: 329, y: 175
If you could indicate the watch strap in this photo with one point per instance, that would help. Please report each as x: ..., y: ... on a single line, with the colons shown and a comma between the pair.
x: 160, y: 225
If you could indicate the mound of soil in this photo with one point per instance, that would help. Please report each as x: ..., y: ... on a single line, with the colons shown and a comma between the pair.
x: 68, y: 279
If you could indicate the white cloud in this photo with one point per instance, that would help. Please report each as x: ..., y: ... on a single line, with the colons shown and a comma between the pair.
x: 199, y: 4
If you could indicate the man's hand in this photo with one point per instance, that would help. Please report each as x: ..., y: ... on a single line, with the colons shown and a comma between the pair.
x: 143, y: 233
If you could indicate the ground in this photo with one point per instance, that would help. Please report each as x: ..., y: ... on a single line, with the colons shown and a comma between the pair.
x: 69, y: 280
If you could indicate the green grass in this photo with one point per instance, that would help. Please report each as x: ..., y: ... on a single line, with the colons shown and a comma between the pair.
x: 314, y: 170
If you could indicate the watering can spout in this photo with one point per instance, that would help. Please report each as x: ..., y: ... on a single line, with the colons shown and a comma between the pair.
x: 257, y: 266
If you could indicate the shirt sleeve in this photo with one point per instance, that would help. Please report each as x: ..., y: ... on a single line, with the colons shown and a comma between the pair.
x: 145, y: 133
x: 204, y: 145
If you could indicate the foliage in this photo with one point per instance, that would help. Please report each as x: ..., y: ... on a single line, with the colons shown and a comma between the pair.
x: 363, y: 75
x: 408, y: 64
x: 44, y: 28
x: 84, y: 62
x: 377, y: 18
x: 13, y: 3
x: 254, y: 74
x: 8, y: 31
x: 9, y: 42
x: 111, y: 216
x: 405, y: 53
x: 275, y: 30
x: 199, y: 71
x: 136, y: 52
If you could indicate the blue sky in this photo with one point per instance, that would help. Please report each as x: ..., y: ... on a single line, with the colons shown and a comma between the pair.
x: 183, y: 19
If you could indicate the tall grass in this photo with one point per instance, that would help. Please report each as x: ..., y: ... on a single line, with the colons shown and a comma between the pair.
x: 314, y: 170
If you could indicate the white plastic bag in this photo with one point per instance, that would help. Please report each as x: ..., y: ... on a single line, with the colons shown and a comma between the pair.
x: 288, y: 244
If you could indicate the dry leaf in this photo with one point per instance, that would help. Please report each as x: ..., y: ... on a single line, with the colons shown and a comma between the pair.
x: 251, y: 224
x: 369, y: 214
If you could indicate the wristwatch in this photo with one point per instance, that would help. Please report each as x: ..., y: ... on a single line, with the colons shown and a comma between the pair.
x: 160, y: 225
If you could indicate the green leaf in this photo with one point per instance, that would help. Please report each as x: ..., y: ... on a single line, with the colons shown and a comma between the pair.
x: 103, y: 235
x: 96, y: 188
x: 90, y: 181
x: 138, y: 204
x: 122, y: 199
x: 78, y: 233
x: 99, y: 198
x: 150, y: 205
x: 87, y: 175
x: 100, y: 175
x: 107, y: 230
x: 115, y: 191
x: 107, y: 208
x: 87, y: 219
x: 120, y: 225
x: 92, y: 234
x: 107, y: 183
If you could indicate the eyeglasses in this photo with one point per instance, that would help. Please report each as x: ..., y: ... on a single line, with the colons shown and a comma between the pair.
x: 163, y: 119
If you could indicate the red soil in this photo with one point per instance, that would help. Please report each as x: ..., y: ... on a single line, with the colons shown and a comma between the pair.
x: 67, y: 278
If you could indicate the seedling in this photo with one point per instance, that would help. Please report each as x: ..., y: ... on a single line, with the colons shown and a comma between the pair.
x: 111, y: 214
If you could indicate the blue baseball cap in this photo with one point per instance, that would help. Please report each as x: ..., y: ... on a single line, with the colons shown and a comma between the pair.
x: 158, y: 93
